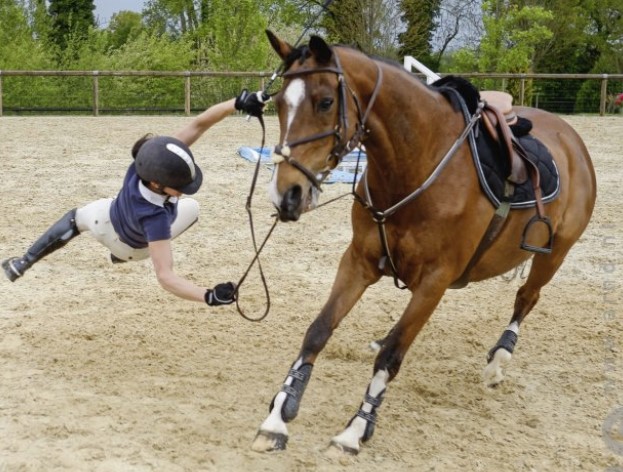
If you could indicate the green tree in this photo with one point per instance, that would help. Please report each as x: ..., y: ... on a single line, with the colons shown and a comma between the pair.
x: 606, y: 28
x: 236, y: 45
x: 40, y: 20
x: 512, y: 37
x: 419, y: 17
x: 71, y: 21
x: 587, y: 38
x: 124, y: 27
x: 19, y: 48
x: 177, y: 17
x: 370, y: 25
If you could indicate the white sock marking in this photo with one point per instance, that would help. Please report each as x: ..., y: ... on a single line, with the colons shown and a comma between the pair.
x: 514, y: 327
x: 351, y: 436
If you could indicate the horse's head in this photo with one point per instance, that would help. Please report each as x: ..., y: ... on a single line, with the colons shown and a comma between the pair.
x: 314, y: 124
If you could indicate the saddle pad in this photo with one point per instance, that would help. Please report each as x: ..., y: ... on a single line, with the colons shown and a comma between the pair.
x: 493, y: 168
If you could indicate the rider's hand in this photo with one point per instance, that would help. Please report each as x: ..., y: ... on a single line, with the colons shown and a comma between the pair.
x: 221, y: 294
x: 252, y: 103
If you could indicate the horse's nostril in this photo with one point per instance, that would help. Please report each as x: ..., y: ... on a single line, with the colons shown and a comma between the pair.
x: 291, y: 204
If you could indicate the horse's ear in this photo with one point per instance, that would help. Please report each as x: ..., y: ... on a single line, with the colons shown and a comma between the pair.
x: 282, y: 48
x: 320, y: 49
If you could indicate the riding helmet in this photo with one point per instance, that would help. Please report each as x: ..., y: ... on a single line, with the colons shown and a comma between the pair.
x: 169, y: 162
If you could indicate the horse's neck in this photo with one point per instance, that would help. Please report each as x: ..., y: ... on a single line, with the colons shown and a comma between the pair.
x: 409, y: 126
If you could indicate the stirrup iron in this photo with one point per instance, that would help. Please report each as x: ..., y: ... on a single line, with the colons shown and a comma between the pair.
x: 547, y: 249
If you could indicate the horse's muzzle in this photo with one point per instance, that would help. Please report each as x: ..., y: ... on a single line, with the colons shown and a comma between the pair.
x: 290, y: 208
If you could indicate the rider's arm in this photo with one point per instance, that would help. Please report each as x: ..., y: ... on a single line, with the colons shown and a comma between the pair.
x: 162, y: 258
x: 191, y: 132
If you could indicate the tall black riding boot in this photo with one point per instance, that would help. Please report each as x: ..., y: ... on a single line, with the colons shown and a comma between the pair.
x: 54, y: 238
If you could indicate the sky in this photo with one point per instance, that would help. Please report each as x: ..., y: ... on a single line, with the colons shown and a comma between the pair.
x: 104, y: 9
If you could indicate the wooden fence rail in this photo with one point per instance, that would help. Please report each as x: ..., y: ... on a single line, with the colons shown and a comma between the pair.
x: 261, y: 76
x: 187, y: 75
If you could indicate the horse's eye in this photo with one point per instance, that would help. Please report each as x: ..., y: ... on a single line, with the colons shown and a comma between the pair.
x: 325, y: 104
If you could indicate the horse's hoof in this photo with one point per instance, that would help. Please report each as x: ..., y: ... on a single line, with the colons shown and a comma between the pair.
x: 493, y: 374
x: 265, y: 441
x: 337, y: 450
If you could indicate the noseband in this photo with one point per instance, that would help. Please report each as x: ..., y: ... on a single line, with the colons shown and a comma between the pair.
x: 343, y: 145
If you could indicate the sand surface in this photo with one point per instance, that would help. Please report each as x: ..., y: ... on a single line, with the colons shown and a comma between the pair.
x: 101, y: 370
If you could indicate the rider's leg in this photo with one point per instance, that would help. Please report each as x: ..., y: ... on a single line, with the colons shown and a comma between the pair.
x: 54, y: 238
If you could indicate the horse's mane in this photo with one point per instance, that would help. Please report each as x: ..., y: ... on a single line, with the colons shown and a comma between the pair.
x: 297, y: 54
x: 302, y: 53
x: 466, y: 90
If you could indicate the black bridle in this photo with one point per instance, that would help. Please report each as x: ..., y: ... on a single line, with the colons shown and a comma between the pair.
x: 343, y: 144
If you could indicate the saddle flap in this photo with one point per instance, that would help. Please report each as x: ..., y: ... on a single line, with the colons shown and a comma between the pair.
x: 499, y: 129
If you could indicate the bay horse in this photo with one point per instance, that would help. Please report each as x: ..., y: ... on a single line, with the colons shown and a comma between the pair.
x: 332, y: 99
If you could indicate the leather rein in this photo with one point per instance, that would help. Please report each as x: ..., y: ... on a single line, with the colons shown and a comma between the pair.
x: 381, y: 216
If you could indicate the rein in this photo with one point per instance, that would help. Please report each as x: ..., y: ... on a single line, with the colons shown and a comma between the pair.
x: 380, y: 217
x: 325, y: 6
x: 255, y: 247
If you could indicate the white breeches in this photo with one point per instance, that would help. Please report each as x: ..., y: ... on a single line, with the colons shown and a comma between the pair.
x: 95, y: 218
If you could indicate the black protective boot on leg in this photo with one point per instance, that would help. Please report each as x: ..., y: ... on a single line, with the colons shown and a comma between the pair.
x: 54, y: 238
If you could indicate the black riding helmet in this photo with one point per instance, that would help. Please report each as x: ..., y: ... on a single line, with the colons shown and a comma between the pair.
x: 169, y: 162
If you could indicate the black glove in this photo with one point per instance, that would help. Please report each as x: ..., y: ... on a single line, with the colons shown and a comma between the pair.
x: 252, y: 103
x: 221, y: 294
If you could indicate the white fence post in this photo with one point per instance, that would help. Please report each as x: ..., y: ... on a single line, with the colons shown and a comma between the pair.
x: 410, y: 62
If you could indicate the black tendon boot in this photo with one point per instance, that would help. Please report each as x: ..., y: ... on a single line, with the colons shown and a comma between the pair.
x: 54, y: 238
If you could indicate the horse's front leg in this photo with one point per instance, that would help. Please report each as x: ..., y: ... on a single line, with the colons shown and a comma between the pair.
x: 393, y: 348
x: 351, y: 281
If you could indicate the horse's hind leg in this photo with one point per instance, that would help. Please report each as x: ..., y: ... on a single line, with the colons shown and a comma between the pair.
x: 544, y: 266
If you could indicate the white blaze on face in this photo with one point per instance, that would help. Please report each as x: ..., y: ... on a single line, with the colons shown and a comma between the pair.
x: 294, y: 95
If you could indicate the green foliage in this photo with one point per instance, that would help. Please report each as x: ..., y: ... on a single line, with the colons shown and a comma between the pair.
x: 225, y: 35
x: 606, y: 24
x: 420, y: 18
x: 71, y: 21
x: 18, y: 48
x: 152, y: 52
x: 124, y: 27
x: 147, y: 52
x: 513, y: 36
x: 578, y: 36
x: 589, y: 93
x: 237, y: 45
x: 175, y: 17
x: 370, y: 25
